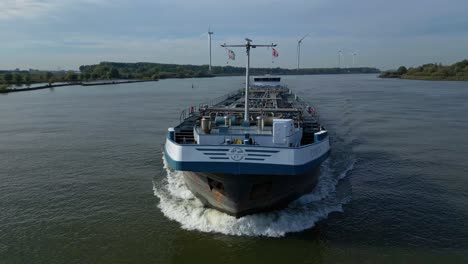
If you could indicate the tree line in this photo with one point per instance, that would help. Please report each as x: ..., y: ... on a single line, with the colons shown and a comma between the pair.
x: 153, y: 71
x: 143, y: 70
x: 18, y: 77
x: 431, y: 71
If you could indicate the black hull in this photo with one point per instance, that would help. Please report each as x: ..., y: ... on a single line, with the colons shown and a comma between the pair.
x: 240, y: 195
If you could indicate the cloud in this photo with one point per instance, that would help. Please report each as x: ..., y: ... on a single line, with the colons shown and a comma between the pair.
x: 12, y: 9
x: 23, y: 8
x: 71, y: 32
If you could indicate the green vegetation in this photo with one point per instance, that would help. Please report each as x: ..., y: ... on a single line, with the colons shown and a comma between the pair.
x: 8, y: 78
x: 394, y: 74
x: 228, y: 70
x: 153, y: 71
x: 18, y: 77
x: 143, y: 70
x: 3, y: 88
x: 432, y: 71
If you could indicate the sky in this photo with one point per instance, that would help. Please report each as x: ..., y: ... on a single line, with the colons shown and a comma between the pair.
x: 64, y: 34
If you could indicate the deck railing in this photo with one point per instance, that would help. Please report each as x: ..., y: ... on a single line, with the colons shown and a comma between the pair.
x: 313, y: 113
x: 192, y: 109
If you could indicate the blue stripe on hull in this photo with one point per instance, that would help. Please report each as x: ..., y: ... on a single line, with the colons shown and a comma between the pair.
x: 244, y: 167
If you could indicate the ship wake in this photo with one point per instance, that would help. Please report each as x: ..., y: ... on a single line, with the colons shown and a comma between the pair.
x: 178, y: 203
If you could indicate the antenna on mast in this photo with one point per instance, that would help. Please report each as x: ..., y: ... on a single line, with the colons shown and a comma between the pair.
x: 247, y: 46
x: 209, y: 37
x: 299, y: 49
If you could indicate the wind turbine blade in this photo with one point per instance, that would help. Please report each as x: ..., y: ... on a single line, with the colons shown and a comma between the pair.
x: 304, y: 36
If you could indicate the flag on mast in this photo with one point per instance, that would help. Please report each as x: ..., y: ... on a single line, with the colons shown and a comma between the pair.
x: 275, y: 52
x: 231, y: 55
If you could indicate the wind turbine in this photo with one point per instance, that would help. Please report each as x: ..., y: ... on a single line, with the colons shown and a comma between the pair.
x: 339, y: 58
x: 209, y: 37
x: 299, y: 49
x: 354, y: 59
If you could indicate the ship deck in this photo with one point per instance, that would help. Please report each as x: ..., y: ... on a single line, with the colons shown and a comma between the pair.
x: 269, y: 102
x: 238, y: 130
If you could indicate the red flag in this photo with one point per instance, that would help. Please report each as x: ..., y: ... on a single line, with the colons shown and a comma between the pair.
x: 275, y: 52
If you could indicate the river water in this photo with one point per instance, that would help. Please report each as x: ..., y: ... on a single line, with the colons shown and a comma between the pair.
x: 83, y: 179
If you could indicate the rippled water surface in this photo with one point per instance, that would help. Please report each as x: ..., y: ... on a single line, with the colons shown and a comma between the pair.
x: 83, y: 179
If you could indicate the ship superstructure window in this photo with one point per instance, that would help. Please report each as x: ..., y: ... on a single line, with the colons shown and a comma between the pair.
x: 267, y: 79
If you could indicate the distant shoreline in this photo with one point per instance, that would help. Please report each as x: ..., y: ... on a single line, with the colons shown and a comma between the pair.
x: 427, y: 78
x: 11, y: 89
x: 431, y: 72
x: 46, y: 86
x: 435, y: 78
x: 111, y: 72
x: 424, y: 77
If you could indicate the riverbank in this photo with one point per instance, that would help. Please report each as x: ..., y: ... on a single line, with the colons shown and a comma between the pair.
x: 147, y: 70
x: 425, y: 77
x: 431, y: 72
x: 5, y: 89
x: 435, y: 78
x: 11, y: 90
x: 114, y: 82
x: 106, y: 73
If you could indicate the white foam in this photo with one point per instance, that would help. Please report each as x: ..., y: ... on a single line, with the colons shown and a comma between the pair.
x: 349, y: 168
x: 179, y: 204
x: 326, y: 185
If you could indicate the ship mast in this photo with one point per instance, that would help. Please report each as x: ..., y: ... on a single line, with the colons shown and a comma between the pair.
x: 247, y: 46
